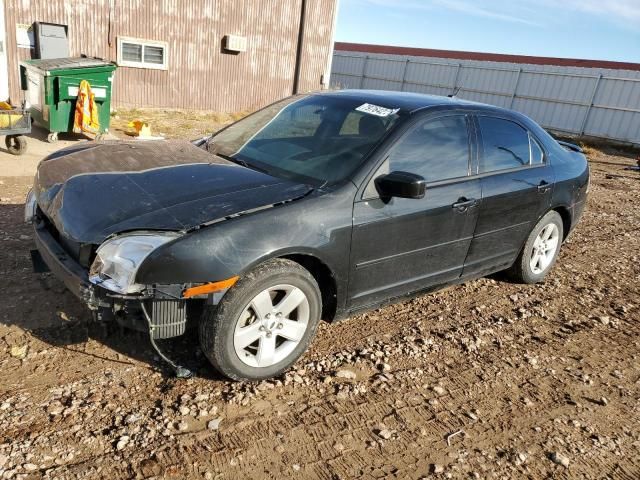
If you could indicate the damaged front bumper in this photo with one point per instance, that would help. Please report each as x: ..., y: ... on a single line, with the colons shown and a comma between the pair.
x: 65, y: 268
x: 162, y: 313
x: 164, y: 307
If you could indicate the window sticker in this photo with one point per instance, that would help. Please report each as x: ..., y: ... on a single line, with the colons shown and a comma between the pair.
x: 376, y: 110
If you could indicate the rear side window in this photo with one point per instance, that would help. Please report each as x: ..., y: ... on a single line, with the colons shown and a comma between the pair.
x: 506, y: 145
x: 537, y: 155
x: 437, y: 150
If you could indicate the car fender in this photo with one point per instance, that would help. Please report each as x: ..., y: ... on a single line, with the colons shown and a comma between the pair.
x: 317, y: 226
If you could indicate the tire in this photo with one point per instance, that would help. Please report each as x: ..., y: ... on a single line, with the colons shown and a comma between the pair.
x: 16, y: 144
x: 526, y: 269
x: 227, y: 327
x: 52, y: 137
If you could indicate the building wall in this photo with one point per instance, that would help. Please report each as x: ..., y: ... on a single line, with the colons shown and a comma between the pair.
x: 582, y: 97
x: 199, y: 75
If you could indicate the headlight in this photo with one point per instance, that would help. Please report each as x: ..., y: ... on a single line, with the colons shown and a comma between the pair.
x: 117, y: 260
x: 30, y: 206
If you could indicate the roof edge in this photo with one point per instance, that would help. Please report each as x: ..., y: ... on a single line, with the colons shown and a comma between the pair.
x: 487, y: 57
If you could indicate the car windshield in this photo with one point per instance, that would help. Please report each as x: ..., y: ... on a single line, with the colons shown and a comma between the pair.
x: 317, y: 138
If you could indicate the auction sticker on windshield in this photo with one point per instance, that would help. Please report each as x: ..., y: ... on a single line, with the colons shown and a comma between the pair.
x: 376, y: 110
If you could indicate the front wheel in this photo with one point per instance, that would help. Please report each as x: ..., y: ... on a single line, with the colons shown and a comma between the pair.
x: 540, y: 250
x: 264, y: 323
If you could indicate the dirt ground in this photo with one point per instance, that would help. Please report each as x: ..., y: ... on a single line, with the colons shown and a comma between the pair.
x: 484, y: 380
x: 165, y: 123
x: 172, y: 123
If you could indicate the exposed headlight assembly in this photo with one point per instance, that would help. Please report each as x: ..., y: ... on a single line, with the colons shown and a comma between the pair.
x: 30, y: 207
x: 117, y: 260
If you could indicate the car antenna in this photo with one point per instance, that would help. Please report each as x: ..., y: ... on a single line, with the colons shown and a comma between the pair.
x: 457, y: 88
x: 455, y: 92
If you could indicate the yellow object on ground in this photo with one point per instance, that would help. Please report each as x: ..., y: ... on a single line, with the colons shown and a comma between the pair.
x: 143, y: 129
x: 6, y: 119
x: 86, y: 115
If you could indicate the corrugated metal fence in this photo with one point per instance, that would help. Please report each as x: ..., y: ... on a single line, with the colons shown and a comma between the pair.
x: 598, y: 102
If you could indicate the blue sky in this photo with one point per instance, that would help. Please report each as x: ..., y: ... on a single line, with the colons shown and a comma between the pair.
x: 592, y: 29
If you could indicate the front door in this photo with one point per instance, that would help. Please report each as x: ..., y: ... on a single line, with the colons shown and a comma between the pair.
x: 403, y: 245
x: 517, y: 183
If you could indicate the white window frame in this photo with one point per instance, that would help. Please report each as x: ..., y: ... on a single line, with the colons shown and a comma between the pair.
x: 142, y: 63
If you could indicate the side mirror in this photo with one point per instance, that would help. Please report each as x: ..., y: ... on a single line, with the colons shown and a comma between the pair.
x: 401, y: 185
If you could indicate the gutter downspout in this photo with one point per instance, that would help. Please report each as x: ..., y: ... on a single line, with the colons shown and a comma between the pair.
x: 326, y: 83
x: 298, y: 69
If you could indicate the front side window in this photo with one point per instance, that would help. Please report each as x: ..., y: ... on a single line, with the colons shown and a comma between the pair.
x: 315, y: 138
x: 505, y: 145
x: 437, y: 150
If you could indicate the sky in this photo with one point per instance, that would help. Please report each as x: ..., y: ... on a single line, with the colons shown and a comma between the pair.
x: 591, y: 29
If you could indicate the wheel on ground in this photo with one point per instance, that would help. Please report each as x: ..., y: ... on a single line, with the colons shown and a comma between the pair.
x: 52, y: 137
x: 16, y: 144
x: 540, y: 250
x: 264, y: 323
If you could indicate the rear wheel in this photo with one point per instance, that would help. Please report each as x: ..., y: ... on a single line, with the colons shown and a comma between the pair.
x: 264, y: 323
x: 540, y: 250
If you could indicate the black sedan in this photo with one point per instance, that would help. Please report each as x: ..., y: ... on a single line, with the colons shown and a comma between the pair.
x: 315, y: 207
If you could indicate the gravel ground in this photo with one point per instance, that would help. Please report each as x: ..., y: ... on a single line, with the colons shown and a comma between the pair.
x: 484, y: 380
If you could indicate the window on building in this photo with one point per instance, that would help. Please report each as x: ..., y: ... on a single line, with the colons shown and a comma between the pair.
x: 506, y: 145
x: 134, y: 52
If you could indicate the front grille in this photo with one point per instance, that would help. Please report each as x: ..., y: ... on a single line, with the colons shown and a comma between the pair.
x: 169, y: 318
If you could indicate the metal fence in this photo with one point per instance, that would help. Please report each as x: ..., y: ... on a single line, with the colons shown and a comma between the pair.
x: 596, y: 102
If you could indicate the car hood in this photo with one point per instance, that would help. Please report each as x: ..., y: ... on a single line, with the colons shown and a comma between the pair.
x: 93, y: 190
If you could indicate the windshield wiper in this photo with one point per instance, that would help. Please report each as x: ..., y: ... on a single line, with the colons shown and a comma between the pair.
x: 241, y: 162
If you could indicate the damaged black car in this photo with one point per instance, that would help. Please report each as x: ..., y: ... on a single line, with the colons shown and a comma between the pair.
x: 316, y: 207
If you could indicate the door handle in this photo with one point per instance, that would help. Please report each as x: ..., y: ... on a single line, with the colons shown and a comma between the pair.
x: 544, y: 187
x: 463, y: 204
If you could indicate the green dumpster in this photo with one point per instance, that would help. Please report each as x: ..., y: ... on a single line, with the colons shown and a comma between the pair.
x: 51, y: 87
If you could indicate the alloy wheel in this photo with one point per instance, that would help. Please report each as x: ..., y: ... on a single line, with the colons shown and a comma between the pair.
x: 271, y: 326
x: 544, y: 248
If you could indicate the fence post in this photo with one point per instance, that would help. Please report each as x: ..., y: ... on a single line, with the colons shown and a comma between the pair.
x: 455, y: 80
x: 593, y: 97
x: 364, y: 70
x: 404, y: 74
x: 515, y: 88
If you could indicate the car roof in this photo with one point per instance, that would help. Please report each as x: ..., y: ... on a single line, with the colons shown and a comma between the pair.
x: 405, y: 101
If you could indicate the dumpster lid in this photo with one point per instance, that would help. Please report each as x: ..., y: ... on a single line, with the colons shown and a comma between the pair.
x: 67, y: 63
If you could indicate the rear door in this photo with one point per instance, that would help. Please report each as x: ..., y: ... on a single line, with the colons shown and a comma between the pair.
x: 402, y: 245
x: 517, y: 183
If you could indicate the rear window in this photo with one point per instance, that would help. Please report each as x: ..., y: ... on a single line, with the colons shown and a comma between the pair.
x: 506, y: 145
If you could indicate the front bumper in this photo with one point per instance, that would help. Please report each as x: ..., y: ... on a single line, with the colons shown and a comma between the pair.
x: 70, y: 272
x: 167, y: 311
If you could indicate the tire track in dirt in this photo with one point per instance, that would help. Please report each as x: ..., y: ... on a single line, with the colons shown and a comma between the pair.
x: 523, y: 370
x: 310, y: 428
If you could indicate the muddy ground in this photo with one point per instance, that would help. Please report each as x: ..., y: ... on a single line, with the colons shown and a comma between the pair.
x: 485, y: 380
